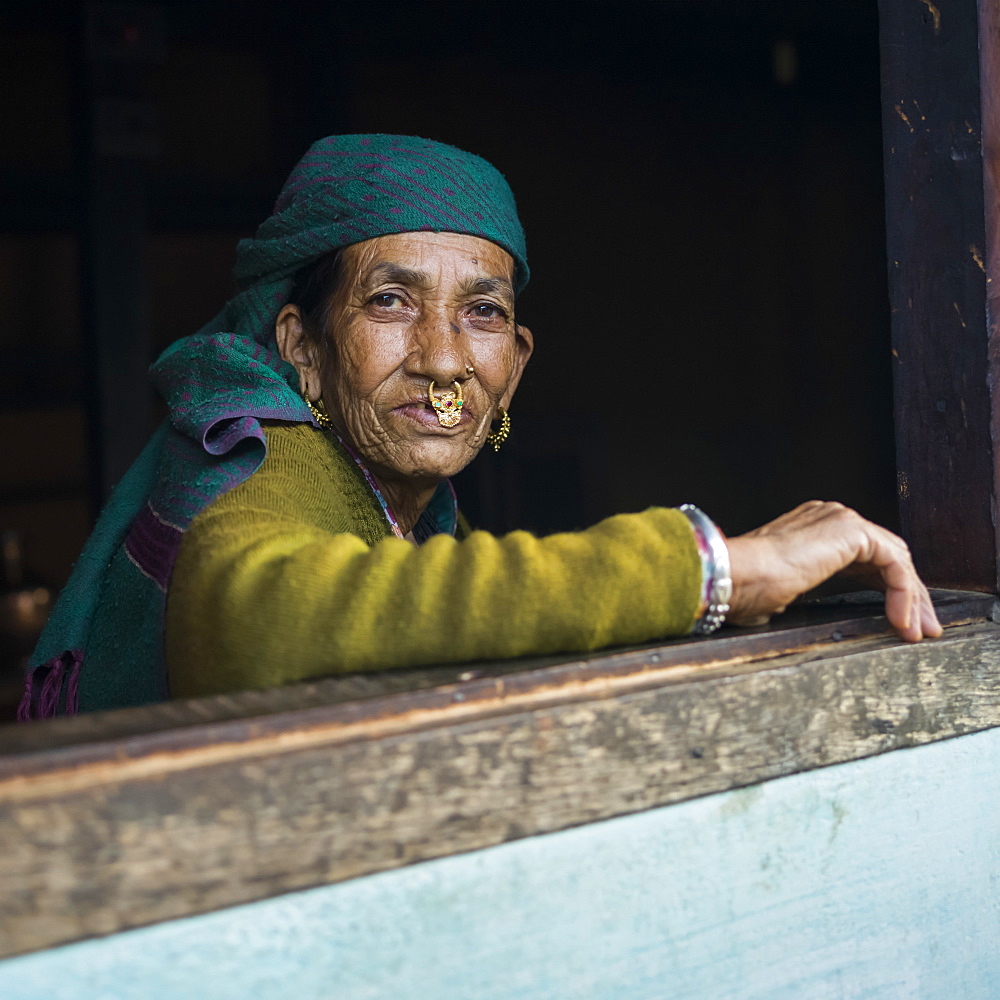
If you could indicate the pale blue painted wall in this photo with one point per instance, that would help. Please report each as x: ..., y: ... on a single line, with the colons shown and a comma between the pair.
x: 876, y: 880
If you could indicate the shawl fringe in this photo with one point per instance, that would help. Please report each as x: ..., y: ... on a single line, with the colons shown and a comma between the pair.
x: 46, y: 685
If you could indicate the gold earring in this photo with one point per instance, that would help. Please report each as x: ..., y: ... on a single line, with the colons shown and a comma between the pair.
x: 497, y: 437
x: 447, y: 404
x: 318, y: 410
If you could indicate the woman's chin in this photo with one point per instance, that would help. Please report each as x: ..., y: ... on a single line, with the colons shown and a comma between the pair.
x: 429, y: 457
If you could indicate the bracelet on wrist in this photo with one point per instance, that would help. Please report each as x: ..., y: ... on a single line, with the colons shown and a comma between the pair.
x: 717, y: 581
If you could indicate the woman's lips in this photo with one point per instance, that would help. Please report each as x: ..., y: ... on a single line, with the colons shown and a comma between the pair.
x: 421, y: 413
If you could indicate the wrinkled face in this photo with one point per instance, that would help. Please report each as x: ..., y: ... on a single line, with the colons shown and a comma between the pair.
x: 416, y: 308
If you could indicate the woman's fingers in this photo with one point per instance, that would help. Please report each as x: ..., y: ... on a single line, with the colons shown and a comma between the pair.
x: 912, y: 612
x: 928, y: 616
x: 889, y: 555
x: 915, y: 631
x: 899, y: 610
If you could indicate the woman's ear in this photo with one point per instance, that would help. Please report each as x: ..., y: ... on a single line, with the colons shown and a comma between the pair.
x: 525, y: 344
x: 299, y: 349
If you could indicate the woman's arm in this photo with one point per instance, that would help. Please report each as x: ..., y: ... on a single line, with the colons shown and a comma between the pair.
x: 264, y: 593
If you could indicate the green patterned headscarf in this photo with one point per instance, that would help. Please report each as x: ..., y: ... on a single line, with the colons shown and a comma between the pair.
x: 103, y: 645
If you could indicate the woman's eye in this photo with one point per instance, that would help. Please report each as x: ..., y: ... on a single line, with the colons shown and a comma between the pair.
x: 485, y: 310
x: 386, y: 299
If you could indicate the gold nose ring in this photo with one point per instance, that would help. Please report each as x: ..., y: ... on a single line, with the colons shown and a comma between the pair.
x: 447, y: 404
x: 469, y: 370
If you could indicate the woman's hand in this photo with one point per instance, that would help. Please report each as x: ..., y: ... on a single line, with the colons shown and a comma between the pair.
x: 778, y: 562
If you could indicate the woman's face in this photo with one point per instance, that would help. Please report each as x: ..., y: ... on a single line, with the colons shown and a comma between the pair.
x: 414, y: 308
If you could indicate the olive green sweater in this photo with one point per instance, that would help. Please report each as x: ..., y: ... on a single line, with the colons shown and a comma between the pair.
x: 295, y: 573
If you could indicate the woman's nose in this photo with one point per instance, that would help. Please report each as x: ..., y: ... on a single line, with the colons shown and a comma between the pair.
x: 438, y: 351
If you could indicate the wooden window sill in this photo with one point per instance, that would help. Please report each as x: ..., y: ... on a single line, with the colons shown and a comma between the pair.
x: 182, y: 808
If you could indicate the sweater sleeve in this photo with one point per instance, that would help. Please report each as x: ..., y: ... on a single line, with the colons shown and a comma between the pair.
x: 263, y: 596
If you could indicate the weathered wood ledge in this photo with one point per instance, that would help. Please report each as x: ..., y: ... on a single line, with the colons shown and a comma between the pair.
x: 128, y: 818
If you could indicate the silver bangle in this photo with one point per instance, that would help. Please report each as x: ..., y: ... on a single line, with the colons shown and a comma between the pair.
x: 717, y: 577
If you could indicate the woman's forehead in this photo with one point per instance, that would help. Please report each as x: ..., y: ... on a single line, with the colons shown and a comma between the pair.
x: 428, y: 254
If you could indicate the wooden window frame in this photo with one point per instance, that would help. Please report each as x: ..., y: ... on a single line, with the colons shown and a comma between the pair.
x: 939, y: 122
x: 174, y: 809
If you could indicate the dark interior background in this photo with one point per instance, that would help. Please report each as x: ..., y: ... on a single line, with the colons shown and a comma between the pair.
x: 700, y: 181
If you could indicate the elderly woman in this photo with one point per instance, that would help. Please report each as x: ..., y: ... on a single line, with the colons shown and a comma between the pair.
x: 295, y: 518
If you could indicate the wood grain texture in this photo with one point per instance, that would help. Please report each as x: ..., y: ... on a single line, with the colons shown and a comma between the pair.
x: 104, y: 846
x: 935, y: 240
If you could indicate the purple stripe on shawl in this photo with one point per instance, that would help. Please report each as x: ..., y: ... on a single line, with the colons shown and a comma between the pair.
x: 233, y: 478
x: 446, y: 170
x: 200, y: 495
x: 152, y: 544
x: 439, y: 210
x: 292, y: 187
x: 304, y: 182
x: 454, y: 212
x: 439, y: 206
x: 417, y: 184
x: 459, y: 178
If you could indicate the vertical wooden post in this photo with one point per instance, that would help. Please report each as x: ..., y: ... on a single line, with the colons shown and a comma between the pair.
x: 937, y: 256
x: 989, y: 76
